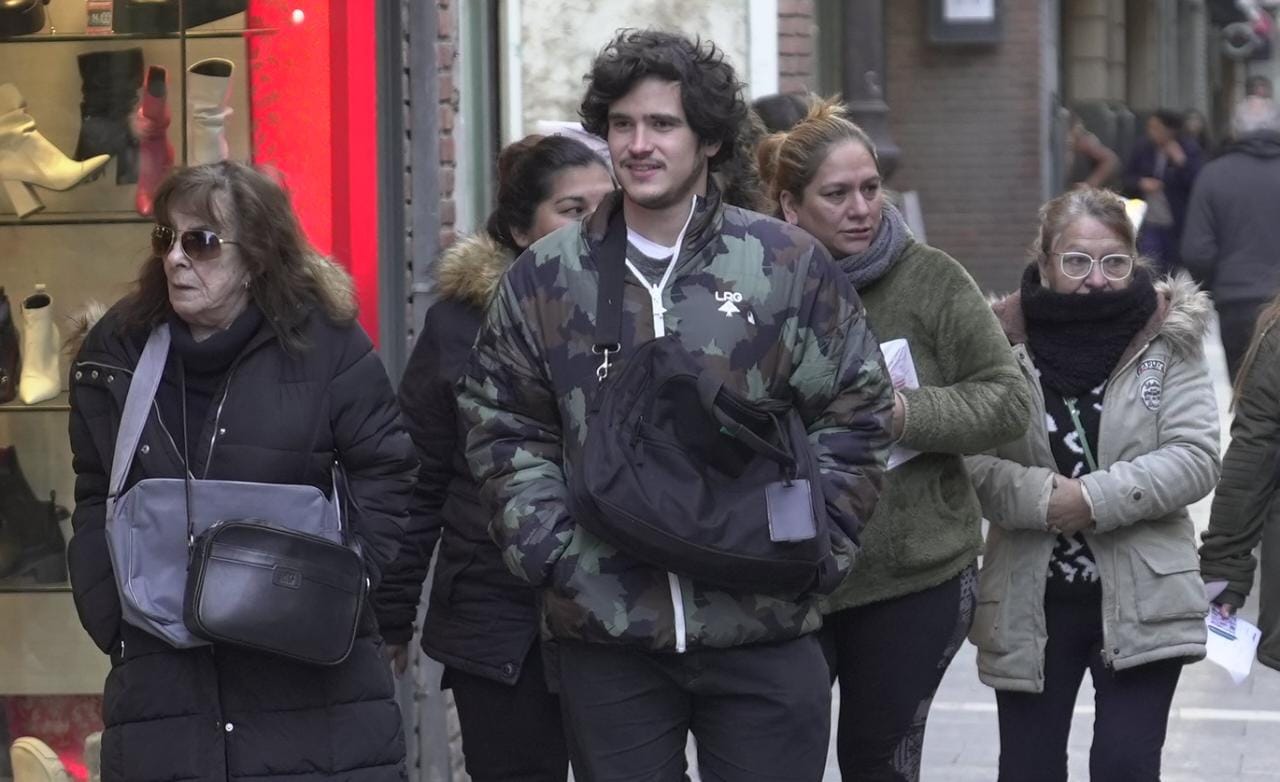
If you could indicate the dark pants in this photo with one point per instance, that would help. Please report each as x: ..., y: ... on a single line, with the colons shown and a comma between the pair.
x: 510, y: 733
x: 889, y: 658
x: 1236, y: 320
x: 1131, y: 707
x: 760, y: 712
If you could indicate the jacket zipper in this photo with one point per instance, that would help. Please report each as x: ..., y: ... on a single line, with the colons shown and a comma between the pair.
x: 660, y: 330
x: 1108, y: 651
x: 217, y: 418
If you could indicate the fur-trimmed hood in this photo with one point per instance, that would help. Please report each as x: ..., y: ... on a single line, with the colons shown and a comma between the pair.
x: 1182, y: 317
x: 81, y: 323
x: 471, y: 269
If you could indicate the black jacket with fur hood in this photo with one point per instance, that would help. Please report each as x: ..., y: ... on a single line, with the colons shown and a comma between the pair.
x: 218, y: 713
x: 480, y: 619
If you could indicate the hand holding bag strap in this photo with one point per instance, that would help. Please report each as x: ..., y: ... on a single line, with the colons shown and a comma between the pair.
x: 137, y: 407
x: 610, y: 258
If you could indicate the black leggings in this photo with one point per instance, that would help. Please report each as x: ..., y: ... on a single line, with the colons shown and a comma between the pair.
x: 889, y: 658
x: 1132, y: 707
x: 510, y: 733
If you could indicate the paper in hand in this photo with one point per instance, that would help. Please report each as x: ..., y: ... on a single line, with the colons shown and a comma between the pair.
x: 902, y: 371
x: 1232, y: 644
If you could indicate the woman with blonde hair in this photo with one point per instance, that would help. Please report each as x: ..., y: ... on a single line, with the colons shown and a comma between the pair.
x: 893, y: 627
x: 1090, y: 562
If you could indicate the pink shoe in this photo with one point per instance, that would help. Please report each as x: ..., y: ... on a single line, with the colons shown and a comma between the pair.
x: 155, y: 154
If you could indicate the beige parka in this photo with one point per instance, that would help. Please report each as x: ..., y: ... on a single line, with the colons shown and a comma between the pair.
x: 1157, y: 453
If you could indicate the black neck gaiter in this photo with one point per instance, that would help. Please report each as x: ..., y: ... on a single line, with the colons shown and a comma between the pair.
x: 1077, y: 339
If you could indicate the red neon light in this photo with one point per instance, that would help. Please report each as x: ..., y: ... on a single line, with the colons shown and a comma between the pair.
x: 314, y: 113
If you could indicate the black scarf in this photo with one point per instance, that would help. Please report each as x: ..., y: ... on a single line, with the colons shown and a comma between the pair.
x: 1076, y: 340
x: 199, y: 368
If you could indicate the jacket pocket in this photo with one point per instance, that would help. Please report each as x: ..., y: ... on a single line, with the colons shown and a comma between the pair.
x: 989, y: 631
x: 449, y: 568
x: 1167, y: 583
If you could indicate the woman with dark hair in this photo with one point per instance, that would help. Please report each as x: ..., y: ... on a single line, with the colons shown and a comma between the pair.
x: 1161, y: 171
x: 1090, y: 562
x: 482, y: 622
x: 894, y: 625
x: 269, y: 379
x: 780, y: 112
x: 1244, y: 510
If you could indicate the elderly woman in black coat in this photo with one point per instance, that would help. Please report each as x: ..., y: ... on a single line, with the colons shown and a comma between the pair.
x: 271, y: 379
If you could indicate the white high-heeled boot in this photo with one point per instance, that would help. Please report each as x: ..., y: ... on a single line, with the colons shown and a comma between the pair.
x: 208, y: 90
x: 27, y: 158
x: 34, y: 761
x: 40, y: 380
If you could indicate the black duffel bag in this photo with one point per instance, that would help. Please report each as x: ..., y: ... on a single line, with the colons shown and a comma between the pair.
x: 687, y: 475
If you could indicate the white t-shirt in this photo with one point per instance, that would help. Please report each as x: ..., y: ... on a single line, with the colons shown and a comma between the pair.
x: 649, y: 248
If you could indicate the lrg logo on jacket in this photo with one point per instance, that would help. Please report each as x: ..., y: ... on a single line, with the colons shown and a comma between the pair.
x: 1151, y: 387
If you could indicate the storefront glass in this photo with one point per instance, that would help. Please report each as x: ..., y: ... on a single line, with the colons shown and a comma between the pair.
x: 97, y: 100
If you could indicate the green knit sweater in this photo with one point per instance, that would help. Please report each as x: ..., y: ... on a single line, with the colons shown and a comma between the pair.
x: 972, y: 397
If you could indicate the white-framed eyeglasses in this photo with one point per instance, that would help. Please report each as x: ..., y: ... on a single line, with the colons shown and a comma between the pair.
x: 1078, y: 265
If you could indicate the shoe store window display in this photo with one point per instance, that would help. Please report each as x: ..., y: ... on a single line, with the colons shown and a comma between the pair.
x: 99, y: 101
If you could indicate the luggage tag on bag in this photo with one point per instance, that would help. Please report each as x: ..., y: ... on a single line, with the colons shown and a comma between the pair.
x: 790, y: 507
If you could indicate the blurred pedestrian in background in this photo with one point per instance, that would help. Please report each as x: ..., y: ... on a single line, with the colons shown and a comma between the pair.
x: 1090, y: 561
x: 1232, y: 239
x: 1161, y: 171
x: 1089, y: 162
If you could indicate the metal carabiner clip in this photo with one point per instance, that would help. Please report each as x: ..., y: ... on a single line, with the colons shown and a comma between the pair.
x: 603, y: 351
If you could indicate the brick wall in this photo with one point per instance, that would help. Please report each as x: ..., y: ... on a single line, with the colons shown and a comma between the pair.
x: 968, y: 124
x: 796, y: 45
x: 446, y: 64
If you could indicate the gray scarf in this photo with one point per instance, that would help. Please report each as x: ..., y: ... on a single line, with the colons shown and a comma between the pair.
x: 871, y: 264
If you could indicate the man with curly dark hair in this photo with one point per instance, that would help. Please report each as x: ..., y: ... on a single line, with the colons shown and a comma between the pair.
x: 644, y: 654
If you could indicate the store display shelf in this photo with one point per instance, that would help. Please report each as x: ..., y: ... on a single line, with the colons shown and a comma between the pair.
x: 60, y: 403
x: 60, y: 587
x: 191, y: 34
x: 75, y: 218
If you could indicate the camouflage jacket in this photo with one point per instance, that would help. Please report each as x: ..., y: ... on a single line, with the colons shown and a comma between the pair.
x: 754, y: 298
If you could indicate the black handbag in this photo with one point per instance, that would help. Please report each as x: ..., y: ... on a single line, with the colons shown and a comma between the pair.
x: 256, y: 584
x: 690, y: 476
x: 263, y: 587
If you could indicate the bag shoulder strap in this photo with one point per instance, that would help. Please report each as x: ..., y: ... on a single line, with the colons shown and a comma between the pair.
x: 610, y: 259
x: 137, y: 405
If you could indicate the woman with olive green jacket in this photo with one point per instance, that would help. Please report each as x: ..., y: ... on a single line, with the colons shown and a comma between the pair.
x: 1245, y: 511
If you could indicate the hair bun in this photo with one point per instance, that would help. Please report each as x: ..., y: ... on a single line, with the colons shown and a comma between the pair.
x: 823, y: 109
x: 510, y: 158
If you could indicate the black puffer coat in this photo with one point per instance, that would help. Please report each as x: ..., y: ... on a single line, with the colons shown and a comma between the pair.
x: 481, y: 619
x: 218, y: 713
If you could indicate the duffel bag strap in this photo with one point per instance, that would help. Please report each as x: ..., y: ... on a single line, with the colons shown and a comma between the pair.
x: 709, y: 388
x: 610, y: 258
x: 137, y: 407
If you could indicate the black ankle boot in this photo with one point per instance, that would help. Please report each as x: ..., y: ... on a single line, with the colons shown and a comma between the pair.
x: 32, y: 525
x: 111, y: 81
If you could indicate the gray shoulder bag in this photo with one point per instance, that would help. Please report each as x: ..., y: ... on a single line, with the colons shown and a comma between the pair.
x: 260, y: 565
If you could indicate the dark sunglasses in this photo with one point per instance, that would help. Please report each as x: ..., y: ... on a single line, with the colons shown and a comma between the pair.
x: 197, y: 245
